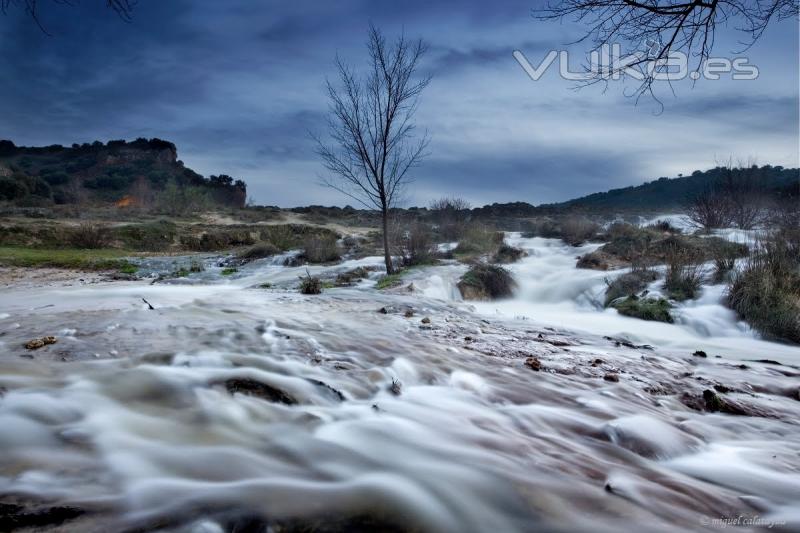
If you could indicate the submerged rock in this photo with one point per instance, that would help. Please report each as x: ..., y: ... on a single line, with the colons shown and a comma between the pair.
x: 14, y: 516
x: 258, y: 389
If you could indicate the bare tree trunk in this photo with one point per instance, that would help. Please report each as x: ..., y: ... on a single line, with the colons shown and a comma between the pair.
x: 387, y: 256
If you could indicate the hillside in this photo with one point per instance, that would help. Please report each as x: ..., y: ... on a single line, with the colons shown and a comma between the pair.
x: 663, y: 194
x: 142, y: 173
x: 673, y: 193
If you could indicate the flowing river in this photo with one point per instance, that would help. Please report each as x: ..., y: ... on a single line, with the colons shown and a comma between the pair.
x: 231, y: 407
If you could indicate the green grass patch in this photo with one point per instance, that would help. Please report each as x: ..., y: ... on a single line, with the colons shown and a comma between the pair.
x: 103, y: 259
x: 645, y: 308
x: 391, y: 280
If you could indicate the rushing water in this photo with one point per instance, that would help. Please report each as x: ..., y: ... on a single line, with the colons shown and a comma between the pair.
x: 128, y: 416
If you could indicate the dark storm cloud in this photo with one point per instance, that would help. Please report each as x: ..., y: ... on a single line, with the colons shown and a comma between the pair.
x: 759, y: 112
x: 238, y: 85
x: 538, y: 176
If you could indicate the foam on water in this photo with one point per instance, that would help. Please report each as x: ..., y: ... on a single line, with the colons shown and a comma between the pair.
x: 471, y: 439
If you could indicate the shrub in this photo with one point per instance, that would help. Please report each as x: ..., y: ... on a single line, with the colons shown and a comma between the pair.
x: 507, y: 254
x: 151, y: 237
x: 724, y: 261
x: 281, y: 235
x: 684, y: 273
x: 321, y: 249
x: 347, y: 278
x: 486, y: 282
x: 310, y: 284
x: 477, y: 240
x: 664, y: 226
x: 628, y: 284
x: 258, y: 251
x: 89, y: 236
x: 766, y: 291
x: 593, y: 261
x: 451, y: 215
x: 576, y: 231
x: 418, y: 248
x: 645, y: 308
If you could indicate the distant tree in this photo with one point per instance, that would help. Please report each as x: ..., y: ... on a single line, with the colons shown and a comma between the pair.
x: 371, y: 127
x: 666, y: 26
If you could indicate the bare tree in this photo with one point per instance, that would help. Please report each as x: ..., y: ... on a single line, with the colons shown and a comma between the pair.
x: 123, y: 8
x: 709, y: 209
x: 663, y: 27
x: 736, y: 197
x: 373, y: 145
x: 743, y: 187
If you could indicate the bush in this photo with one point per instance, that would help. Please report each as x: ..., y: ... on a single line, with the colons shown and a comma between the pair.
x: 576, y: 231
x: 281, y: 235
x: 451, y: 215
x: 684, y: 274
x: 89, y: 236
x: 418, y: 248
x: 486, y: 282
x: 151, y: 237
x: 347, y: 278
x: 628, y: 284
x: 310, y: 284
x: 321, y: 249
x: 766, y: 291
x: 645, y: 308
x: 593, y: 261
x: 478, y: 240
x: 507, y: 254
x: 258, y: 251
x: 664, y: 226
x: 724, y: 261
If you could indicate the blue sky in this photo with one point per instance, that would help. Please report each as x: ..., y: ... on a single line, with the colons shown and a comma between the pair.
x: 238, y: 84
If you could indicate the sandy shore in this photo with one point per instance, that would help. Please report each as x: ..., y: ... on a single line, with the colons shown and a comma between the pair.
x: 23, y: 277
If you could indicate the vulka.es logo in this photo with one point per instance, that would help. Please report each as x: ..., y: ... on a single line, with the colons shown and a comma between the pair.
x: 609, y: 64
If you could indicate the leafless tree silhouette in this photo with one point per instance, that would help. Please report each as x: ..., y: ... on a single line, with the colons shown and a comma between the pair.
x: 656, y: 28
x: 123, y: 8
x: 373, y: 145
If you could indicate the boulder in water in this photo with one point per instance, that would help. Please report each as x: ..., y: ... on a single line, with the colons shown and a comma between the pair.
x: 486, y: 282
x: 35, y: 344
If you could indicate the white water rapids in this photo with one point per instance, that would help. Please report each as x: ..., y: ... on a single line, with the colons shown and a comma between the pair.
x: 128, y: 418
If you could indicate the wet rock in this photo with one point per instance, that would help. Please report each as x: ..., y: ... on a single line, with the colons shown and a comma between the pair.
x: 336, y: 393
x: 711, y: 402
x: 14, y: 516
x: 597, y: 362
x: 409, y: 313
x: 35, y: 344
x: 700, y: 353
x: 767, y: 362
x: 611, y: 377
x: 396, y: 387
x: 258, y: 389
x: 426, y: 320
x: 533, y: 363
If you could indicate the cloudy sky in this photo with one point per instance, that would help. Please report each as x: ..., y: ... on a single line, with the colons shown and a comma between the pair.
x: 237, y: 85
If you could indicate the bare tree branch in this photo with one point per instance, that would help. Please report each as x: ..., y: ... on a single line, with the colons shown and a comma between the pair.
x: 654, y: 29
x: 123, y: 8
